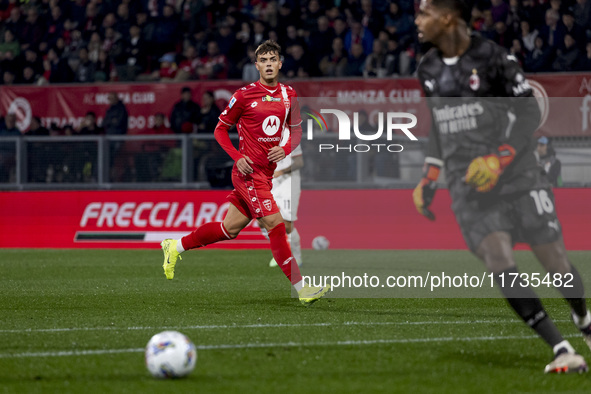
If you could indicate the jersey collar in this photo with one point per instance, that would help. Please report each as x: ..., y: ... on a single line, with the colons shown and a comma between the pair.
x: 268, y: 88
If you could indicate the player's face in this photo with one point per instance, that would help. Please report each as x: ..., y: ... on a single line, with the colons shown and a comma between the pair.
x: 268, y: 65
x: 430, y: 21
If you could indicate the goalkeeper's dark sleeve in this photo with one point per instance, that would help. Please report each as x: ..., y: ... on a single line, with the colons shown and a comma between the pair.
x: 524, y: 118
x: 527, y: 120
x: 433, y: 153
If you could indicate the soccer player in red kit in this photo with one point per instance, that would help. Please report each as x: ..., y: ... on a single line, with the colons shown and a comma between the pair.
x: 263, y: 112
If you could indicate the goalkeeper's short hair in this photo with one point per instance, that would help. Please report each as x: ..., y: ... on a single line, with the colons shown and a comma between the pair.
x: 463, y: 7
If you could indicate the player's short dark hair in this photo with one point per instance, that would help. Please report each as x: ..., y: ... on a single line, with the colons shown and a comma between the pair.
x: 463, y: 7
x: 268, y: 46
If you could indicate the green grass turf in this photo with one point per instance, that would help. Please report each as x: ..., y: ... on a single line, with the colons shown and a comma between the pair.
x: 116, y: 300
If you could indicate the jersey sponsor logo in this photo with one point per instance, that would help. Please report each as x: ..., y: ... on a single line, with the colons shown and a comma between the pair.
x: 271, y: 99
x: 271, y: 125
x: 453, y: 119
x: 269, y: 139
x: 474, y: 80
x: 231, y: 103
x: 254, y: 104
x: 458, y: 111
x: 267, y: 204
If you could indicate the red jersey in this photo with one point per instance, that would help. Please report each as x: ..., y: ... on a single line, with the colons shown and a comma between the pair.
x: 264, y: 118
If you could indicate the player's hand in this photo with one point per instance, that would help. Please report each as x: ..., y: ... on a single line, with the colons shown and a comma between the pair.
x: 423, y: 195
x: 483, y: 172
x: 277, y: 174
x: 243, y: 165
x: 276, y: 154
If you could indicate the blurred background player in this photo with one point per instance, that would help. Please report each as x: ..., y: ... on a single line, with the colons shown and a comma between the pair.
x: 499, y: 195
x: 546, y: 156
x: 262, y: 112
x: 287, y: 187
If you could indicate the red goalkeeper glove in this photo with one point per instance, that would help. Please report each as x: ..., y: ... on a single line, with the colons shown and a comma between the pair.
x: 425, y: 190
x: 483, y: 172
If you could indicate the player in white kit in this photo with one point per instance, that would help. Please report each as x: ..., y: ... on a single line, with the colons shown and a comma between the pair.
x: 286, y: 191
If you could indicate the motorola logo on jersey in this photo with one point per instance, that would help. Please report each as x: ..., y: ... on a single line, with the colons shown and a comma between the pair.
x: 271, y: 125
x: 269, y: 139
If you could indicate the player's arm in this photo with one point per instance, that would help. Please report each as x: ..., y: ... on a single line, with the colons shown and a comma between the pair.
x: 226, y: 120
x: 483, y: 172
x: 525, y: 106
x: 424, y: 193
x: 298, y: 162
x: 295, y: 125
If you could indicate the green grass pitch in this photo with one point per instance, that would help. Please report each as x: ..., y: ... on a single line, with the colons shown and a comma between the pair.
x: 76, y: 321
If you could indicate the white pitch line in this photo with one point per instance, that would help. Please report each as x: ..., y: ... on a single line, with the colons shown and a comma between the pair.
x: 277, y: 325
x: 274, y: 345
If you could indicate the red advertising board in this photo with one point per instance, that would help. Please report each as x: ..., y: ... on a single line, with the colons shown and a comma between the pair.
x: 110, y: 218
x: 356, y: 219
x: 67, y: 104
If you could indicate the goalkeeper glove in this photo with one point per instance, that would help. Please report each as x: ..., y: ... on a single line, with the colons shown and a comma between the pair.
x: 425, y: 190
x: 483, y: 172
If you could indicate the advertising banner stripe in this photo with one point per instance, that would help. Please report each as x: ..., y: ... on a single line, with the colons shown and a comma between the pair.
x: 109, y: 236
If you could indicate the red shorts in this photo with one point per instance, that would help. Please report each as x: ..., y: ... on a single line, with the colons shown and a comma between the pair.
x: 252, y: 196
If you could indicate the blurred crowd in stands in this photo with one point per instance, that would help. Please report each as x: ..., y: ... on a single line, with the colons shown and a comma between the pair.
x: 85, y: 41
x: 141, y: 159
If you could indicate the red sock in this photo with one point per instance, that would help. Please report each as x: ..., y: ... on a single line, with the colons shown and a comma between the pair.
x: 205, y: 235
x: 282, y: 254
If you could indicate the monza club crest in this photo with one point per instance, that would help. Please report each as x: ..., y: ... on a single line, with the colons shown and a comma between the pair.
x: 267, y: 204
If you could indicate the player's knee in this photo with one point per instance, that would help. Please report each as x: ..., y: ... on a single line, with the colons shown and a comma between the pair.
x: 231, y: 230
x: 553, y: 257
x: 497, y: 262
x: 288, y: 226
x: 270, y: 222
x: 496, y: 252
